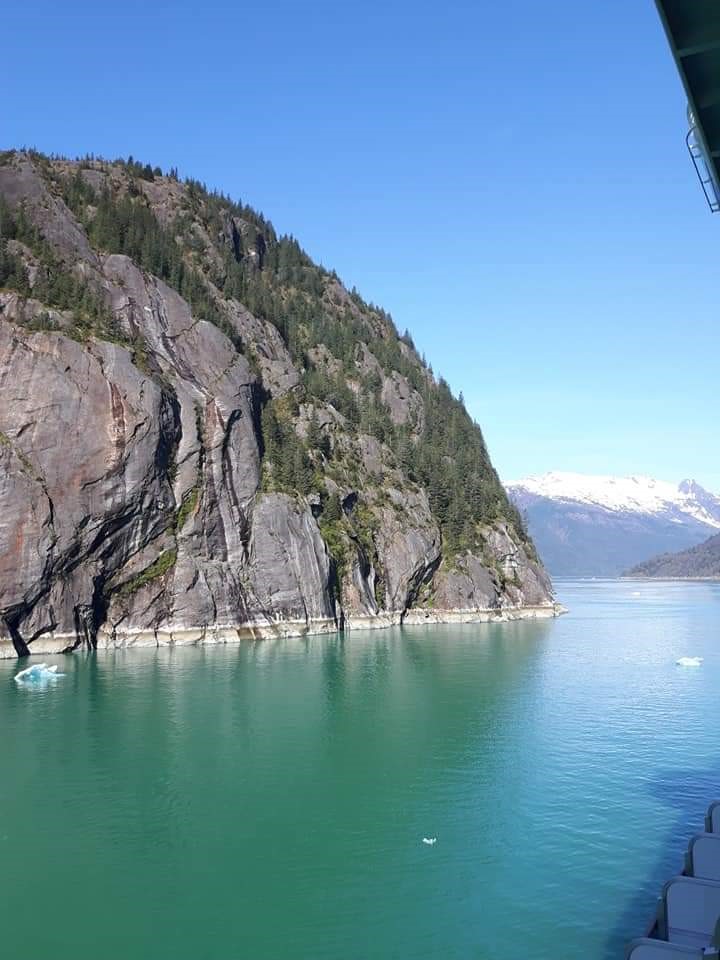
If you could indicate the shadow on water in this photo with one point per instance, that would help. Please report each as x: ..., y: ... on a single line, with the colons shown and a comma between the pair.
x: 688, y: 793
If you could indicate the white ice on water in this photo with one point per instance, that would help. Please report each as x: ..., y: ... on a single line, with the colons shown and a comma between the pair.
x: 689, y: 661
x: 38, y: 673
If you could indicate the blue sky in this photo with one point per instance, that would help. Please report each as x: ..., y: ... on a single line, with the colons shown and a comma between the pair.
x: 509, y: 180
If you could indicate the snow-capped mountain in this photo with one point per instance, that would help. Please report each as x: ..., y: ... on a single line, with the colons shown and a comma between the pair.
x: 627, y: 494
x: 601, y: 525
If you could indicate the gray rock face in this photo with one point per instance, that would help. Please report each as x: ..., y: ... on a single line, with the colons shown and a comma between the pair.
x: 404, y: 403
x: 408, y: 551
x: 508, y: 577
x: 290, y: 571
x: 21, y: 183
x: 133, y: 502
x: 278, y: 373
x: 468, y: 585
x: 85, y: 439
x: 525, y: 580
x: 358, y: 590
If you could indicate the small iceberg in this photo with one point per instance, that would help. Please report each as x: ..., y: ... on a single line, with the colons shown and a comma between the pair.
x: 429, y: 840
x: 38, y: 674
x: 689, y: 661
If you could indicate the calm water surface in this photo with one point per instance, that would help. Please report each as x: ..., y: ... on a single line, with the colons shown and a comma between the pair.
x: 269, y: 801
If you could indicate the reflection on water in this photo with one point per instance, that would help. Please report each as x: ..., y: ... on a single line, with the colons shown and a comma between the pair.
x: 270, y: 799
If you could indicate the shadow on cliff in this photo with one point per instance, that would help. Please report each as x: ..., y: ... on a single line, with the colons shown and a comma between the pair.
x: 689, y: 793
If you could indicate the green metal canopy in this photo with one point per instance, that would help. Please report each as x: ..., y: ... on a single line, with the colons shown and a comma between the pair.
x: 693, y: 31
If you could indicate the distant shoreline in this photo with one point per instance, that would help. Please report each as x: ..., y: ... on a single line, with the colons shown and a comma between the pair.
x: 557, y: 579
x: 671, y: 579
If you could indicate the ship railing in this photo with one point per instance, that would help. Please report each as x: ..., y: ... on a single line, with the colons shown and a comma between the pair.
x: 687, y: 923
x: 703, y: 169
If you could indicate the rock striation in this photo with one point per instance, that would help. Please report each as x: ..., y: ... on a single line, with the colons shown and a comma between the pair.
x: 184, y: 457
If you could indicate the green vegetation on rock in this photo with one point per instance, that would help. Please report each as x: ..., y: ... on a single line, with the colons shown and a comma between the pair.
x: 187, y: 507
x: 287, y: 465
x: 55, y: 285
x: 158, y: 568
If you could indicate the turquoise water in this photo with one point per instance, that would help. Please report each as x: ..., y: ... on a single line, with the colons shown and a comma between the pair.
x: 269, y: 801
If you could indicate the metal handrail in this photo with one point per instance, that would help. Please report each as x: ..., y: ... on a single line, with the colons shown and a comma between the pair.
x: 702, y: 168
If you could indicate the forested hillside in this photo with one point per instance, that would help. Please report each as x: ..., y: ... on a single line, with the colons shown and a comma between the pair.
x: 702, y: 561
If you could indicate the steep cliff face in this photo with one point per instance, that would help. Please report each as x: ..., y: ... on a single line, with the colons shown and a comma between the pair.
x: 204, y: 436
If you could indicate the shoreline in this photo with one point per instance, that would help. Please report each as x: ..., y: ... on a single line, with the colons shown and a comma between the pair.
x: 671, y: 579
x: 58, y: 643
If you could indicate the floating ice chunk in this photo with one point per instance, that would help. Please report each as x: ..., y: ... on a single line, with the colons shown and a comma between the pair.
x: 38, y: 673
x: 429, y: 840
x: 689, y: 661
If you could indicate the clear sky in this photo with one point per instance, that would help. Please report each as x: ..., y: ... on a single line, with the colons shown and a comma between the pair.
x: 509, y: 180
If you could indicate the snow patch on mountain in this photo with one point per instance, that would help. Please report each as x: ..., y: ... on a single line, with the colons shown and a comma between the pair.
x: 636, y: 494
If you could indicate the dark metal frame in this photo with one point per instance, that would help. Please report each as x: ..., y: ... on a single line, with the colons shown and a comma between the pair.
x: 692, y: 28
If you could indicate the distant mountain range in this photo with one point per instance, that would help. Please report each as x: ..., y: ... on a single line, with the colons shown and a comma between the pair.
x: 601, y: 526
x: 697, y: 562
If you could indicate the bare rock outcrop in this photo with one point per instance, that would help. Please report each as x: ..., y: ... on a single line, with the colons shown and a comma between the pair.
x: 290, y: 568
x: 505, y: 576
x: 86, y: 440
x: 403, y: 402
x: 408, y: 551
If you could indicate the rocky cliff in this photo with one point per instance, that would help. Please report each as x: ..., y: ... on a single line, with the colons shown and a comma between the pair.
x: 204, y: 436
